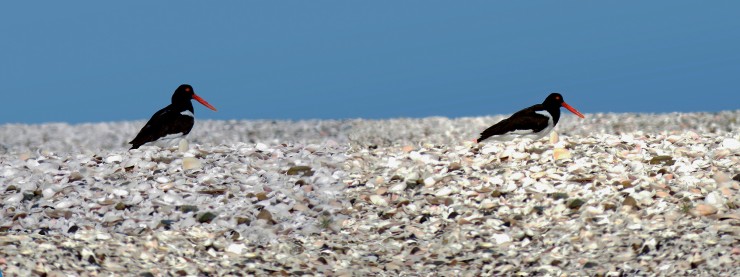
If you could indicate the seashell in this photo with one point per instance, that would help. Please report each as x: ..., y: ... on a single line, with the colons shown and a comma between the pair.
x: 538, y: 175
x: 501, y: 238
x: 509, y: 187
x: 635, y: 226
x: 715, y: 199
x: 102, y: 236
x: 120, y: 192
x: 444, y: 192
x: 64, y: 204
x: 487, y: 204
x: 554, y: 138
x: 48, y: 192
x: 705, y: 209
x: 543, y: 187
x: 14, y: 198
x: 236, y: 248
x: 183, y: 146
x: 32, y: 164
x: 9, y: 172
x: 147, y: 165
x: 261, y: 147
x: 378, y: 200
x: 516, y: 176
x: 561, y: 153
x: 591, y: 210
x: 731, y: 144
x: 398, y: 188
x: 393, y: 162
x: 721, y: 153
x: 721, y: 177
x: 24, y: 156
x: 114, y: 159
x: 411, y: 208
x: 190, y: 163
x: 520, y: 155
x: 496, y: 180
x: 381, y: 190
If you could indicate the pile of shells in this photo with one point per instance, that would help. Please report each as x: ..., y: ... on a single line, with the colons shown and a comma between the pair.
x: 611, y: 195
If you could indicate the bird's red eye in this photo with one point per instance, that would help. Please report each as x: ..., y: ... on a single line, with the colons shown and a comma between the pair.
x: 187, y: 89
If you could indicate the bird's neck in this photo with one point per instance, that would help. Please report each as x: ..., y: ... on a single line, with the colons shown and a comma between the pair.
x: 555, y: 113
x: 182, y: 105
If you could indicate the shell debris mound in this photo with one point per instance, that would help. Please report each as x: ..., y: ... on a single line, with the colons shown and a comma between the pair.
x: 612, y: 194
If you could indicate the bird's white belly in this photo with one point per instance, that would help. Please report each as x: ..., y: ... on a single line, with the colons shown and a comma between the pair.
x: 167, y: 141
x: 523, y: 134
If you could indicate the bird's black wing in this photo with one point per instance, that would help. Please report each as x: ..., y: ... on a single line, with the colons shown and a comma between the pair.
x: 164, y: 122
x: 526, y: 119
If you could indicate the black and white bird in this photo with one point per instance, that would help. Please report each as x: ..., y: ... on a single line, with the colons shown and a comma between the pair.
x: 172, y: 122
x: 534, y: 122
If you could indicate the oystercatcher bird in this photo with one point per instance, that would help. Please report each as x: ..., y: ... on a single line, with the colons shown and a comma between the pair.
x: 534, y: 122
x: 172, y: 122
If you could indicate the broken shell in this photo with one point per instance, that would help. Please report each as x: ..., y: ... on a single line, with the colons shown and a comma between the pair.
x: 561, y: 153
x: 189, y: 163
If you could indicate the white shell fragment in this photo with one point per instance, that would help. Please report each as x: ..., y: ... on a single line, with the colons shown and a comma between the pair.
x: 189, y: 163
x: 554, y: 138
x: 561, y: 153
x: 183, y: 145
x: 378, y: 200
x: 731, y: 144
x: 114, y: 159
x: 608, y: 195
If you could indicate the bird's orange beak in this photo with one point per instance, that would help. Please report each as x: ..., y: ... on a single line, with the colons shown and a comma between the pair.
x: 571, y: 109
x: 197, y: 98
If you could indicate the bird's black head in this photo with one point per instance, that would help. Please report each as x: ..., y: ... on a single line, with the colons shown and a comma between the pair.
x: 182, y: 97
x: 554, y: 99
x: 183, y: 93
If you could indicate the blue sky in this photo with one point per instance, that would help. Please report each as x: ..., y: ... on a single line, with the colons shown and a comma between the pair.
x: 92, y: 61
